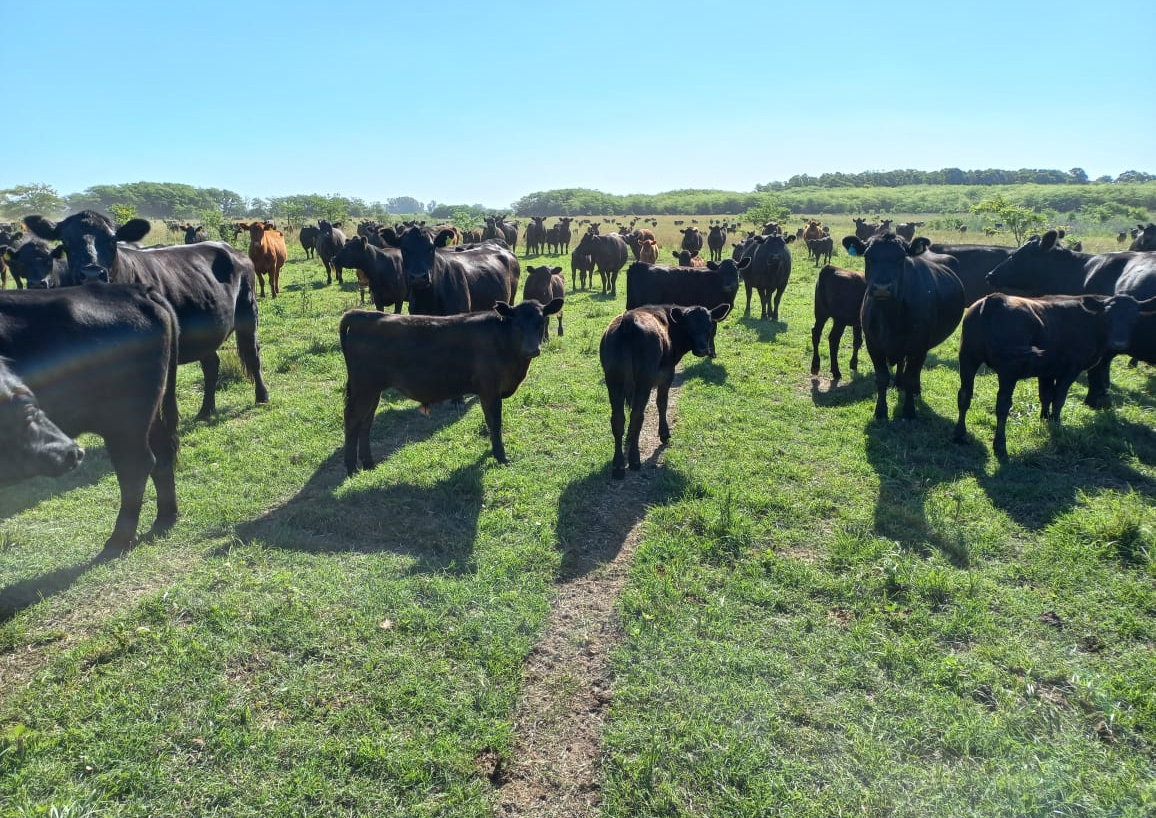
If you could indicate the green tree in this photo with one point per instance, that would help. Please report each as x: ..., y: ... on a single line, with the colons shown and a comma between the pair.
x: 122, y: 213
x: 23, y: 200
x: 770, y: 210
x: 1018, y: 219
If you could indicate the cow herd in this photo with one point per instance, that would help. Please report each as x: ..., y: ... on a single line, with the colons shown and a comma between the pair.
x: 102, y: 358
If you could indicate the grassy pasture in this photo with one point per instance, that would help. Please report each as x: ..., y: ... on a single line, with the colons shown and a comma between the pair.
x: 826, y: 615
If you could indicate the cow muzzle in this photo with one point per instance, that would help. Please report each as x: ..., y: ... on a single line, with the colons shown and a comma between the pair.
x: 36, y: 285
x: 882, y: 292
x: 91, y: 274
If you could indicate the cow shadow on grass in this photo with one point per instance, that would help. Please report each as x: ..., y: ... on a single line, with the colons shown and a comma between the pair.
x: 597, y: 513
x: 854, y: 389
x: 19, y: 497
x: 912, y: 458
x: 1036, y: 487
x: 436, y: 524
x: 707, y: 370
x: 25, y: 593
x: 765, y: 329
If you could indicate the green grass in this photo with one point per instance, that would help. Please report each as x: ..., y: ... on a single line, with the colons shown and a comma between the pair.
x: 826, y: 615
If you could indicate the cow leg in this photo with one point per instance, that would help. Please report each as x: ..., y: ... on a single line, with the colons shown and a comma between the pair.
x: 662, y: 401
x: 816, y: 336
x: 328, y: 272
x: 1003, y: 405
x: 637, y: 414
x: 617, y: 393
x: 492, y: 409
x: 249, y: 351
x: 163, y: 442
x: 749, y: 287
x: 210, y: 366
x: 833, y: 341
x: 967, y: 370
x: 132, y: 461
x: 261, y: 282
x: 911, y: 386
x: 1099, y: 382
x: 559, y: 325
x: 275, y: 282
x: 882, y: 382
x: 778, y: 297
x: 857, y: 342
x: 1047, y: 390
x: 359, y: 412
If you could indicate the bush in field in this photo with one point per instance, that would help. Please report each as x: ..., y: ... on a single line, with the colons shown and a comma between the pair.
x: 1018, y: 219
x: 772, y: 210
x: 122, y: 213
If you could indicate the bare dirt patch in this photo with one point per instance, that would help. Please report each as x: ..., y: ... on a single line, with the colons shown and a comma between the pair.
x: 567, y: 683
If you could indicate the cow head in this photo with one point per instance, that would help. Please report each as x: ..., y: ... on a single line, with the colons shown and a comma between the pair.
x: 538, y: 280
x: 33, y: 261
x: 1122, y: 312
x: 1038, y: 266
x: 32, y: 444
x: 729, y: 271
x: 353, y: 253
x: 699, y: 325
x: 885, y: 257
x: 526, y: 323
x: 89, y: 240
x: 418, y: 246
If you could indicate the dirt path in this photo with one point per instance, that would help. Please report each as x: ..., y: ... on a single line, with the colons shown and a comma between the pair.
x: 567, y: 683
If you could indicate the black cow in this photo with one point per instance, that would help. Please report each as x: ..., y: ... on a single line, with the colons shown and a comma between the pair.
x: 1042, y: 266
x: 1052, y: 339
x: 717, y: 283
x: 445, y: 281
x: 535, y: 236
x: 31, y: 445
x: 906, y: 230
x: 209, y: 284
x: 104, y: 360
x: 581, y: 266
x: 195, y: 235
x: 838, y: 296
x: 330, y: 240
x: 914, y: 300
x: 770, y: 271
x: 35, y: 264
x: 821, y: 249
x: 639, y: 352
x: 691, y: 240
x: 716, y: 240
x: 544, y: 284
x: 564, y: 234
x: 381, y: 269
x: 609, y: 255
x: 864, y: 229
x: 511, y: 234
x: 434, y: 358
x: 308, y: 238
x: 975, y: 262
x: 1145, y: 238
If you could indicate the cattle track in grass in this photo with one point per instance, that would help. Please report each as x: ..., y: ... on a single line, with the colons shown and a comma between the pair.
x: 567, y: 682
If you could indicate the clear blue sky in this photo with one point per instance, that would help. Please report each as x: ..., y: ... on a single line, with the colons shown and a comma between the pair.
x: 486, y: 102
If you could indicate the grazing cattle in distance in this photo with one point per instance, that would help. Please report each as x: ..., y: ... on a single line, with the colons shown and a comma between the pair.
x: 210, y: 285
x: 821, y: 249
x: 718, y: 283
x: 962, y: 228
x: 1145, y: 239
x: 609, y: 255
x: 647, y: 251
x: 914, y: 300
x: 123, y: 392
x: 31, y: 445
x: 864, y: 229
x: 975, y: 262
x: 1121, y: 237
x: 443, y: 281
x: 492, y: 230
x: 1052, y: 339
x: 511, y: 233
x: 330, y: 240
x: 770, y: 271
x: 1043, y: 266
x: 471, y: 235
x: 812, y: 231
x: 194, y: 235
x: 378, y: 268
x: 34, y: 264
x: 839, y: 297
x: 308, y: 238
x: 716, y: 240
x: 267, y: 252
x: 685, y: 258
x: 691, y: 240
x: 552, y: 240
x: 564, y: 234
x: 772, y: 229
x: 435, y: 358
x: 906, y: 230
x: 639, y: 351
x: 544, y: 284
x: 581, y: 266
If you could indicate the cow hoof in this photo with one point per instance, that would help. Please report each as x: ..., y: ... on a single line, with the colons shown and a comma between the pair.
x: 120, y: 542
x: 163, y: 525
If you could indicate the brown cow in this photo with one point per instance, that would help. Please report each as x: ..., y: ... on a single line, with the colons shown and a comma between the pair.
x: 686, y: 258
x: 430, y: 358
x: 639, y: 352
x: 544, y: 284
x: 268, y: 254
x: 647, y: 251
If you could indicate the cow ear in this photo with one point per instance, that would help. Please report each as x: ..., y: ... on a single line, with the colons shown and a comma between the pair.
x: 503, y: 309
x: 919, y: 245
x: 364, y: 242
x: 854, y: 245
x: 554, y: 306
x: 1094, y: 303
x: 133, y: 230
x: 555, y: 271
x: 1049, y: 239
x: 790, y: 238
x: 711, y: 265
x: 42, y: 227
x: 676, y: 314
x: 744, y: 263
x: 389, y: 236
x: 443, y: 237
x: 58, y: 251
x: 720, y: 312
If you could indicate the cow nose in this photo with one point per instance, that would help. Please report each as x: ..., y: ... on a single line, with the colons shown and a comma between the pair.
x: 37, y: 285
x: 94, y: 273
x: 74, y: 457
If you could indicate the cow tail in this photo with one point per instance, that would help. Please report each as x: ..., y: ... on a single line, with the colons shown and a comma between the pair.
x: 169, y: 415
x: 245, y: 324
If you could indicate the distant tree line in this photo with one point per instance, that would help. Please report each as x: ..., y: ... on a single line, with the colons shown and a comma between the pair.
x: 952, y: 176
